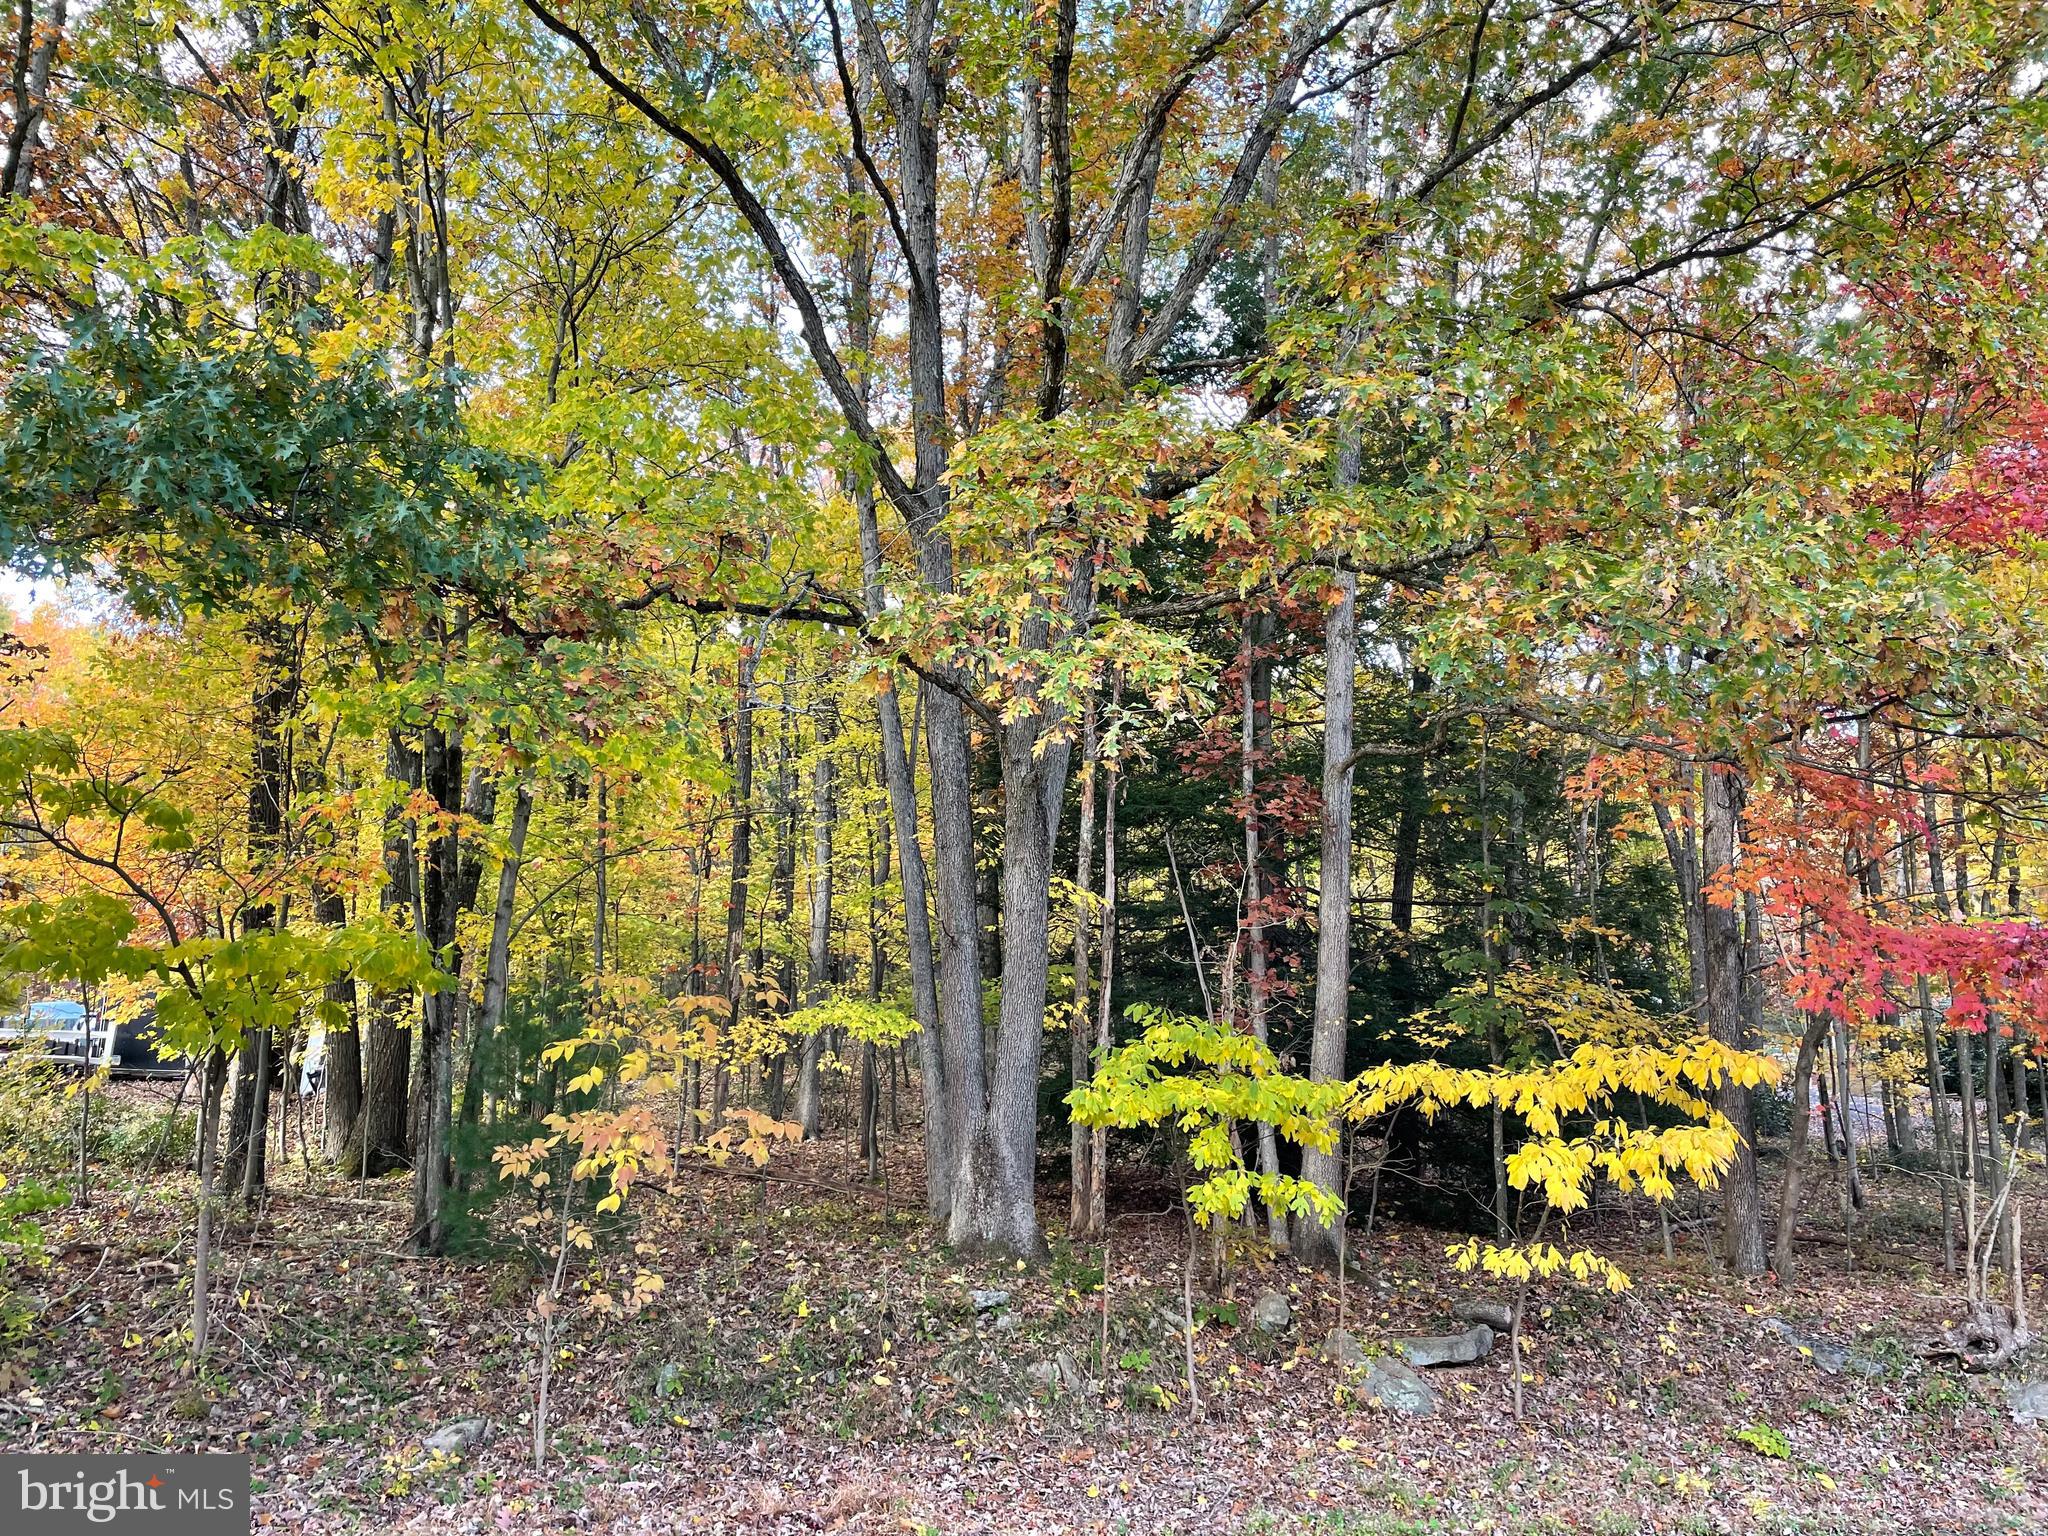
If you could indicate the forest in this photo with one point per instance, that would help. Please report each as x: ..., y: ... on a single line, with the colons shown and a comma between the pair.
x: 947, y: 766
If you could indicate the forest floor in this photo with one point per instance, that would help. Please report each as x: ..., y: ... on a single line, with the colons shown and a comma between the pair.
x: 816, y: 1363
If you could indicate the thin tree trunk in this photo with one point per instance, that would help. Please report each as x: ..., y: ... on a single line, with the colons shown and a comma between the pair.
x: 202, y: 1242
x: 1783, y: 1258
x: 824, y: 815
x: 1105, y: 946
x: 1257, y: 980
x: 1742, y: 1237
x: 442, y: 777
x: 498, y: 957
x: 1081, y: 1137
x: 269, y: 792
x: 1313, y: 1240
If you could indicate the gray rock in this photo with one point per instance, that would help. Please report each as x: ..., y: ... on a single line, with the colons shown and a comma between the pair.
x: 1497, y: 1315
x: 1341, y: 1347
x: 1828, y: 1357
x: 668, y: 1381
x: 989, y: 1301
x: 457, y: 1438
x: 1394, y: 1385
x: 1474, y: 1344
x: 2029, y: 1402
x: 1271, y: 1312
x: 1060, y: 1376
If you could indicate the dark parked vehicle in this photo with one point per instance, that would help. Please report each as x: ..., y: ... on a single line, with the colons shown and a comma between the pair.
x: 134, y: 1048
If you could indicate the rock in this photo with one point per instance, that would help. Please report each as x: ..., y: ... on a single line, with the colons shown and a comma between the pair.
x: 457, y: 1438
x: 1271, y: 1313
x: 1341, y: 1347
x: 1394, y: 1385
x: 2029, y: 1402
x: 989, y: 1301
x: 1474, y: 1344
x: 1497, y: 1315
x: 1061, y: 1375
x: 668, y: 1381
x: 1828, y: 1357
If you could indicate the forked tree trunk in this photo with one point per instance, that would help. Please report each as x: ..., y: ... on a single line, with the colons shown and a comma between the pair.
x: 1782, y: 1256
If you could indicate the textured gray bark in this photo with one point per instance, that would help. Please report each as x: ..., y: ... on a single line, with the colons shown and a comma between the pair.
x: 1742, y: 1234
x: 342, y: 1110
x: 1257, y: 686
x: 35, y: 51
x: 824, y: 815
x: 1313, y: 1240
x: 498, y: 958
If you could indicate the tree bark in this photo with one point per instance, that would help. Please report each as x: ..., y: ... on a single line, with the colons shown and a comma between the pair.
x: 343, y: 1108
x: 1313, y: 1240
x: 35, y: 52
x: 1782, y: 1258
x: 385, y: 1138
x: 269, y: 793
x: 442, y: 778
x: 498, y: 957
x: 1081, y: 1137
x: 824, y: 815
x: 1742, y: 1236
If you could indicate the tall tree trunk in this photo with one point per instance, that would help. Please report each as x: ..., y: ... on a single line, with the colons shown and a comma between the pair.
x: 1081, y: 1137
x: 993, y: 1204
x: 269, y: 792
x: 442, y: 777
x: 1320, y: 1244
x: 1258, y: 982
x: 385, y: 1139
x: 824, y: 816
x: 1782, y: 1256
x: 1097, y: 1224
x: 1313, y: 1240
x: 343, y: 1109
x: 37, y: 41
x: 1742, y: 1235
x: 1408, y: 828
x: 1682, y: 848
x: 498, y: 957
x: 900, y: 779
x: 742, y: 856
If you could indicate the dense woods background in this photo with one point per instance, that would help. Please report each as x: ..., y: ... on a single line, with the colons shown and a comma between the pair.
x: 1349, y: 635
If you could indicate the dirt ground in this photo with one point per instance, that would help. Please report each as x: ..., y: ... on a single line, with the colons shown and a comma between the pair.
x: 815, y: 1363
